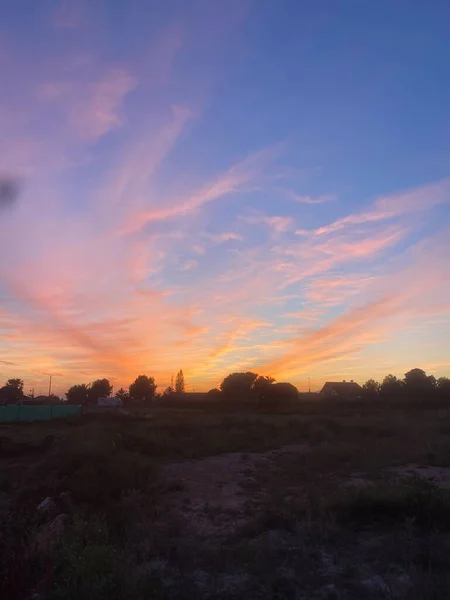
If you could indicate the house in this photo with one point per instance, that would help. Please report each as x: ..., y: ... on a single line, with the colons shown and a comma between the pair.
x: 348, y: 390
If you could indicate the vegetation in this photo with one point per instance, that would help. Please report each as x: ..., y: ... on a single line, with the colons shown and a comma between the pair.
x: 143, y: 388
x: 78, y: 394
x: 101, y: 388
x: 327, y: 499
x: 12, y: 391
x: 416, y: 384
x: 123, y: 395
x: 179, y: 383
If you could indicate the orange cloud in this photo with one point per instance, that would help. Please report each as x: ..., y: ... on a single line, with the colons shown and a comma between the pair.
x: 397, y: 297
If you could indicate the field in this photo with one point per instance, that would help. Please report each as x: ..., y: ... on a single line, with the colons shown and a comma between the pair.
x: 324, y: 501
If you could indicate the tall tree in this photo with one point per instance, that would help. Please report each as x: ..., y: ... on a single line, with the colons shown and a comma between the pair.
x: 179, y: 383
x: 78, y: 394
x: 143, y: 388
x: 100, y: 388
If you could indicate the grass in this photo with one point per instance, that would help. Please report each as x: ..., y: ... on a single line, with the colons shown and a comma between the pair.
x: 327, y: 521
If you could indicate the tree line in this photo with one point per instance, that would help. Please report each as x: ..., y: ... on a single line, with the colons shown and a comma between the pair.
x: 239, y: 386
x: 416, y: 383
x: 143, y: 388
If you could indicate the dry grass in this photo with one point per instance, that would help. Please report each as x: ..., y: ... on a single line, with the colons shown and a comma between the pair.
x: 193, y: 503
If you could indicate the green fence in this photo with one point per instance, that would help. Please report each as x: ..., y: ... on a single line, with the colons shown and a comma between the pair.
x: 11, y: 413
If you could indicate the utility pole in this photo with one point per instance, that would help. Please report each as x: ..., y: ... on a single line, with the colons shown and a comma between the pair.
x: 309, y: 384
x: 50, y: 385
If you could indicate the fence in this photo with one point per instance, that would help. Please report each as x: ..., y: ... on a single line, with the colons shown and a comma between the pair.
x: 14, y: 412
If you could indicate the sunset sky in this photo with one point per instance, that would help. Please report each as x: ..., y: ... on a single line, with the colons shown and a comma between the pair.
x: 224, y: 185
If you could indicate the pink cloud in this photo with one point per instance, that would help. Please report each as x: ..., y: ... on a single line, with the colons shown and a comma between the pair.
x: 237, y: 179
x: 396, y: 298
x: 416, y: 200
x: 92, y: 108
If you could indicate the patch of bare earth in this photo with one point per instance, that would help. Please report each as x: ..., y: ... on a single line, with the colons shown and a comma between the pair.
x: 438, y: 475
x: 213, y: 494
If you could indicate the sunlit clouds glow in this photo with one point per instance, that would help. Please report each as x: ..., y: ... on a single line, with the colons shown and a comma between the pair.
x: 165, y: 222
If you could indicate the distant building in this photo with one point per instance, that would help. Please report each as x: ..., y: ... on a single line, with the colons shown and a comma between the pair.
x: 348, y: 390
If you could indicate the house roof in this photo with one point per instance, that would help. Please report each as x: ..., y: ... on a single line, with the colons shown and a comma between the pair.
x: 342, y: 387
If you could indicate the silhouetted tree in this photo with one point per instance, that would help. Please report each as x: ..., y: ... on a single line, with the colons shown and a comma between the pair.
x: 279, y: 393
x: 12, y: 391
x: 238, y: 385
x: 16, y: 385
x: 214, y: 394
x: 123, y: 395
x: 100, y: 388
x: 371, y: 389
x: 261, y: 385
x: 143, y: 388
x: 418, y: 383
x: 77, y: 394
x: 391, y: 386
x: 179, y: 383
x: 443, y: 384
x: 168, y: 391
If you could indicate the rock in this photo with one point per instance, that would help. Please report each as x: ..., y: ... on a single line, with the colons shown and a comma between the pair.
x: 46, y: 505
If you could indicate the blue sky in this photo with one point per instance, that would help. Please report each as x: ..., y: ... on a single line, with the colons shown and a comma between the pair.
x: 223, y: 186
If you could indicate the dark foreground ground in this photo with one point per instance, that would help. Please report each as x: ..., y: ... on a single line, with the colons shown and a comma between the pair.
x: 330, y: 501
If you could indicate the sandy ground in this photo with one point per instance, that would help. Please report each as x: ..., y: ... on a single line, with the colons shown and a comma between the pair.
x: 214, y: 494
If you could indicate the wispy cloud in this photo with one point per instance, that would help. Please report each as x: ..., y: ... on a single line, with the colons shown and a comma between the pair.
x: 226, y: 236
x: 396, y: 296
x: 92, y: 108
x: 306, y: 199
x: 238, y: 178
x: 414, y: 201
x: 189, y: 265
x: 277, y: 223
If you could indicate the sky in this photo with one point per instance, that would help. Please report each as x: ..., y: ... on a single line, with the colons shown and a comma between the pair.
x: 224, y: 186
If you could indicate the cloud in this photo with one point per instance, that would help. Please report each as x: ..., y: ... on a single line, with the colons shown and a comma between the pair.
x: 316, y: 255
x: 413, y: 201
x: 237, y: 179
x: 277, y: 223
x: 92, y: 107
x: 304, y: 199
x: 396, y: 298
x: 188, y: 265
x: 226, y: 236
